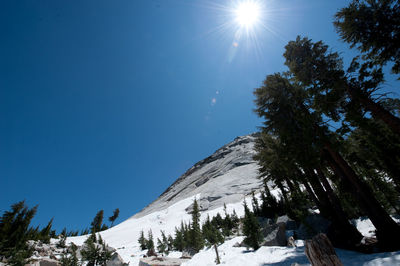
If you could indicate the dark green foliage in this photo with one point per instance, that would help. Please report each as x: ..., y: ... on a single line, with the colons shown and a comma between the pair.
x: 95, y: 251
x: 162, y: 244
x: 373, y: 26
x: 97, y: 222
x: 70, y: 259
x: 179, y: 243
x: 61, y: 242
x: 15, y: 231
x: 142, y: 241
x: 251, y: 229
x: 150, y: 241
x: 170, y: 242
x: 44, y: 234
x: 196, y: 240
x: 114, y: 216
x: 254, y: 202
x: 218, y: 221
x: 211, y: 233
x: 104, y: 227
x: 85, y: 231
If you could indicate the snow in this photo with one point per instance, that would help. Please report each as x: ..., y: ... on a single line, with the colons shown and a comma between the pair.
x: 238, y: 256
x: 228, y: 176
x: 124, y: 238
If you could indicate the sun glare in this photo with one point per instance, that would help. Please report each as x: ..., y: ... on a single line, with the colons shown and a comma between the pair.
x: 247, y: 13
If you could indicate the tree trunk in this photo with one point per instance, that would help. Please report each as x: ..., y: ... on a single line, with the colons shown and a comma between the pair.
x: 217, y: 261
x: 387, y: 230
x: 377, y: 110
x: 320, y: 252
x: 351, y: 235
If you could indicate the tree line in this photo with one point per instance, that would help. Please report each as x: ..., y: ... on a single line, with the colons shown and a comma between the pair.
x: 16, y: 230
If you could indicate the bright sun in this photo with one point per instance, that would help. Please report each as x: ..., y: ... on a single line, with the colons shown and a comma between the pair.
x: 247, y: 13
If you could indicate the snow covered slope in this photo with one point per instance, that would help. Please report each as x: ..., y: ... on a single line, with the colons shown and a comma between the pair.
x: 227, y: 176
x: 224, y: 177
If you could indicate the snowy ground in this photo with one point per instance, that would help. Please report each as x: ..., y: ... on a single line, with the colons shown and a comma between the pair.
x: 124, y: 238
x: 234, y: 256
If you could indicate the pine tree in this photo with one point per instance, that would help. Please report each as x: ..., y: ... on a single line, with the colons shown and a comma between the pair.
x: 170, y: 244
x: 254, y: 202
x: 372, y: 26
x: 162, y: 244
x: 15, y: 231
x: 97, y: 222
x: 95, y: 251
x: 211, y: 234
x: 142, y: 241
x: 179, y: 241
x: 150, y: 241
x: 72, y: 259
x: 114, y: 216
x: 44, y: 234
x: 196, y: 237
x: 251, y: 229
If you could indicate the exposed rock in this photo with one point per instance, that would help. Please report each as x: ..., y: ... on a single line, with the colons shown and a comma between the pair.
x: 209, y: 178
x: 274, y: 235
x: 161, y: 261
x: 44, y: 262
x: 188, y: 253
x: 290, y: 224
x: 204, y: 204
x: 291, y: 242
x: 116, y: 260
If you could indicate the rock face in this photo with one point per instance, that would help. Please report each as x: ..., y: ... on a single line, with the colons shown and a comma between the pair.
x: 161, y: 261
x: 274, y: 235
x: 224, y: 177
x: 116, y: 260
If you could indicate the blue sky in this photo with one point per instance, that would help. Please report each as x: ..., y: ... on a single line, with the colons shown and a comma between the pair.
x: 103, y: 104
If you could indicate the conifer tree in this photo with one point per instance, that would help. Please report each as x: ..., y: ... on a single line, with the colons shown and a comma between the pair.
x: 44, y: 234
x: 15, y: 231
x: 170, y: 244
x: 179, y: 241
x: 150, y: 241
x: 211, y: 234
x: 114, y: 216
x: 251, y: 228
x: 142, y: 241
x: 254, y: 202
x: 196, y: 237
x: 97, y: 222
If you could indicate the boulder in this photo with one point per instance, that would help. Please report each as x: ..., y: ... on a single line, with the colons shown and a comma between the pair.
x: 116, y: 260
x: 161, y: 261
x: 44, y: 262
x: 188, y: 253
x: 274, y: 235
x: 289, y: 223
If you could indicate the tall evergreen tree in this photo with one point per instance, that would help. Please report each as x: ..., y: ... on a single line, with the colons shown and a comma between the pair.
x: 251, y: 229
x: 196, y: 237
x: 373, y: 27
x: 142, y: 241
x: 150, y: 241
x: 14, y: 232
x: 97, y: 222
